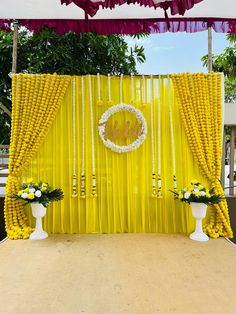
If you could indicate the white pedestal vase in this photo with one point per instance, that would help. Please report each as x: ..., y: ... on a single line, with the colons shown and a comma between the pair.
x: 38, y: 211
x: 198, y: 212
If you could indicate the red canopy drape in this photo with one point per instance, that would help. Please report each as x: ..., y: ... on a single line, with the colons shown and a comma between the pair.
x: 176, y: 6
x: 130, y: 26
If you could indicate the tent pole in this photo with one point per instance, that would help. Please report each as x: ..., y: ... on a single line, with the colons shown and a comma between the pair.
x: 209, y: 61
x: 15, y: 42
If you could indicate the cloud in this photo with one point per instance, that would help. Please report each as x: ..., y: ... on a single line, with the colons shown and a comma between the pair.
x: 149, y: 43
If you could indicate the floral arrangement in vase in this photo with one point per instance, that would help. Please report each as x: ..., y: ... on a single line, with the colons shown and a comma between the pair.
x: 40, y: 192
x: 198, y: 193
x: 199, y: 197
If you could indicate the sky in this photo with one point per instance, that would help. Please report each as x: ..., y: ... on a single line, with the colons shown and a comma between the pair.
x: 177, y: 52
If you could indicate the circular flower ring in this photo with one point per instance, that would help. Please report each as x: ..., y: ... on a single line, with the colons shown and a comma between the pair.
x: 102, y: 128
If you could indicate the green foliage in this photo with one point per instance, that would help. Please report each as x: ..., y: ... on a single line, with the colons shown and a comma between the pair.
x: 230, y: 89
x: 226, y: 63
x: 72, y: 54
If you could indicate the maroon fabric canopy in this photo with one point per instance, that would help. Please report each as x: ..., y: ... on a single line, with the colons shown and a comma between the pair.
x: 176, y: 6
x: 130, y: 26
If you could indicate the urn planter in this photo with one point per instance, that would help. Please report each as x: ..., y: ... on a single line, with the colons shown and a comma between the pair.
x: 38, y: 211
x: 198, y: 212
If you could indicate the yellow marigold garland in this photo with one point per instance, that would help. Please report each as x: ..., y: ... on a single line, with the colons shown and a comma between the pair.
x: 200, y: 103
x: 35, y: 101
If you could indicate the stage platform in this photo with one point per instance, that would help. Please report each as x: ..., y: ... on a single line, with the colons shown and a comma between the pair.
x: 118, y: 274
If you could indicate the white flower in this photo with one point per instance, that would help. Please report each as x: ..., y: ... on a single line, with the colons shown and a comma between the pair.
x: 32, y: 190
x: 38, y: 193
x: 196, y: 190
x: 202, y: 193
x: 24, y: 195
x: 187, y: 195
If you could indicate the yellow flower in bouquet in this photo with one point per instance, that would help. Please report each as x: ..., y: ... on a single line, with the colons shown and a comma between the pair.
x: 30, y: 196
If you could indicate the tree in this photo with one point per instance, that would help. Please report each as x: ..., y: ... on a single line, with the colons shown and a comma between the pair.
x: 226, y: 63
x: 72, y: 54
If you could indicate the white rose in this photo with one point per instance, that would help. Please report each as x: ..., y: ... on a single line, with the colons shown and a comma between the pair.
x: 32, y: 190
x: 24, y: 195
x: 187, y: 195
x: 38, y: 193
x: 202, y: 193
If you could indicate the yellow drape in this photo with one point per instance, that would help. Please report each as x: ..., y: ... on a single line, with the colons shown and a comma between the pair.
x: 200, y: 101
x: 124, y: 181
x: 35, y: 100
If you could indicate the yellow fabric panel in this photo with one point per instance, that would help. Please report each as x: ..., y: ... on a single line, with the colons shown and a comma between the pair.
x: 124, y: 186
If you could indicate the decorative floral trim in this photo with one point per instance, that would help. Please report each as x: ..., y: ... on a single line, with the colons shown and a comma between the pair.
x: 83, y: 135
x: 172, y: 137
x: 74, y: 139
x: 102, y: 128
x: 94, y: 184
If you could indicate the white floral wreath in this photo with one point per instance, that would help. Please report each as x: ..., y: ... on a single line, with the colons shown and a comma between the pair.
x: 102, y: 128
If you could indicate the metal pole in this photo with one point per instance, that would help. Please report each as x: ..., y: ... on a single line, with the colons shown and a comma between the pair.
x: 209, y: 63
x: 15, y: 42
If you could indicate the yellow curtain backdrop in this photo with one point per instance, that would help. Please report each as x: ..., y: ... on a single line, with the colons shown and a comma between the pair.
x: 200, y: 103
x: 124, y: 201
x: 35, y: 100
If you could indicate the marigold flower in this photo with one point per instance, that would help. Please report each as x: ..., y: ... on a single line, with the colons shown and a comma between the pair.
x: 20, y: 192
